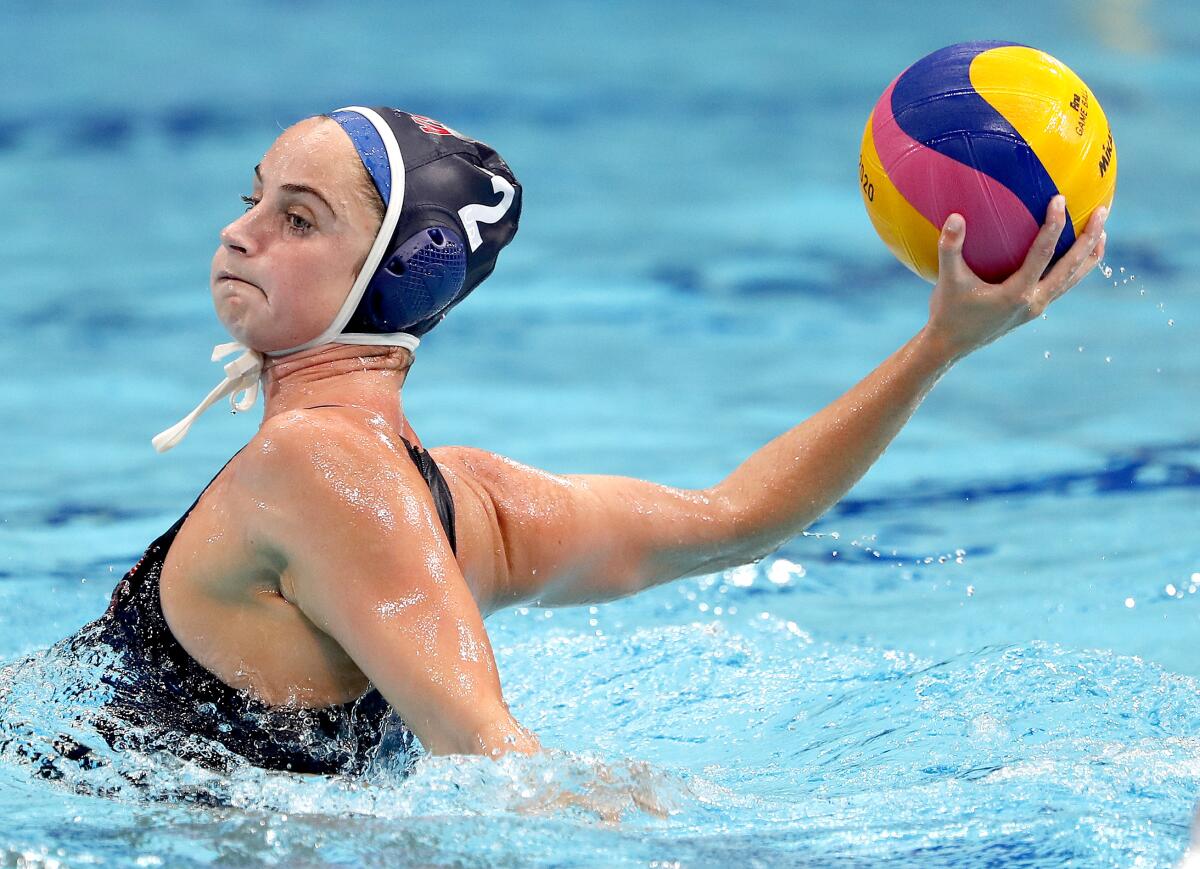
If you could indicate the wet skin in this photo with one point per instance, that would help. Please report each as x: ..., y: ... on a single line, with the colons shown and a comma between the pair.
x: 315, y: 563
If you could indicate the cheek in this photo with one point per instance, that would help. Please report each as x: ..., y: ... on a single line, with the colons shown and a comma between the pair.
x: 304, y: 300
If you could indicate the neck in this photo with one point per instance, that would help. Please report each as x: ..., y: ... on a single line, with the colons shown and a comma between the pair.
x: 358, y: 376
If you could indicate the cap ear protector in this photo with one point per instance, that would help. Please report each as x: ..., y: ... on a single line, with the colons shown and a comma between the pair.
x: 417, y: 281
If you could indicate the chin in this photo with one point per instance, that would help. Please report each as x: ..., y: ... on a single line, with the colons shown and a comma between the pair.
x: 232, y: 314
x: 264, y: 340
x: 259, y: 328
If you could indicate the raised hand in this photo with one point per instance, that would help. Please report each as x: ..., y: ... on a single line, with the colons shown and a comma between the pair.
x: 966, y: 312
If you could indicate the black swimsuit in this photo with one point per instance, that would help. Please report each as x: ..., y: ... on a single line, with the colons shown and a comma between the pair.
x: 172, y: 699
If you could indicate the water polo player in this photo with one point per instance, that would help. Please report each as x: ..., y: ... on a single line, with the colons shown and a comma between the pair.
x: 331, y: 582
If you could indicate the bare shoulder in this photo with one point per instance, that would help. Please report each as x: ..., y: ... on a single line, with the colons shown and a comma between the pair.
x: 501, y: 477
x: 297, y: 433
x: 502, y: 507
x: 578, y: 538
x: 304, y: 460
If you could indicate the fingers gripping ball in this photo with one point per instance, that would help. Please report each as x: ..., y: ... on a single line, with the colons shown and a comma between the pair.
x: 992, y: 131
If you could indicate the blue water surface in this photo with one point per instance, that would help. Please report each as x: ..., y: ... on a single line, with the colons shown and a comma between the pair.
x: 984, y: 656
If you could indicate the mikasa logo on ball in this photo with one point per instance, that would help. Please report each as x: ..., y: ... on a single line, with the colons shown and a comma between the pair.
x: 1106, y: 156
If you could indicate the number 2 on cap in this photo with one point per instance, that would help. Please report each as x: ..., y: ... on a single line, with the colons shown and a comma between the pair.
x: 474, y: 214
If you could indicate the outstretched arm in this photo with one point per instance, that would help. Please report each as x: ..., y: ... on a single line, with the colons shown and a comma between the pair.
x: 791, y: 481
x: 575, y: 539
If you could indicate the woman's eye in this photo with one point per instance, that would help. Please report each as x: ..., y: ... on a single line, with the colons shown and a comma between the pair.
x: 295, y: 222
x: 298, y: 223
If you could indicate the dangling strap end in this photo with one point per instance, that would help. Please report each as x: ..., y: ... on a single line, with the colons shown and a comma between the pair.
x: 241, y: 379
x: 242, y: 400
x: 164, y: 440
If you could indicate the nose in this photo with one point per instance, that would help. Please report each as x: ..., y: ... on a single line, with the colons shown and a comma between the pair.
x: 239, y: 234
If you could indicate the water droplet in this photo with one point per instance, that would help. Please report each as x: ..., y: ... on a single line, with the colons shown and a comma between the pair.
x: 1046, y: 355
x: 970, y: 591
x: 1170, y: 322
x: 1079, y: 349
x: 1108, y: 359
x: 1170, y: 589
x: 1122, y: 269
x: 1130, y: 603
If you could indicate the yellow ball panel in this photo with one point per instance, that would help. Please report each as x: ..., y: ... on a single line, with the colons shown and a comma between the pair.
x: 908, y: 235
x: 1060, y: 119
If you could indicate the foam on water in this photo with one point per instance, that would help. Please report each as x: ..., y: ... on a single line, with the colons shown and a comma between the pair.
x: 761, y: 736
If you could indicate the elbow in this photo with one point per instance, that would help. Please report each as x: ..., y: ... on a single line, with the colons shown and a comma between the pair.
x: 744, y: 533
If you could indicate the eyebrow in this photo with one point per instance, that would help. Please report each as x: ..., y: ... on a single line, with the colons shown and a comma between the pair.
x: 297, y: 188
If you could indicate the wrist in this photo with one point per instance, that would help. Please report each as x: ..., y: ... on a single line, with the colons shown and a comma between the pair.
x: 938, y: 348
x: 500, y: 736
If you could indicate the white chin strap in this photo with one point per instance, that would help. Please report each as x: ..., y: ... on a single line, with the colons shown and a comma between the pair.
x: 240, y: 384
x: 242, y: 375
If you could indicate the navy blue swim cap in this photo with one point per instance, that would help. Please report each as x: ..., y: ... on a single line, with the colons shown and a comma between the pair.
x: 450, y: 205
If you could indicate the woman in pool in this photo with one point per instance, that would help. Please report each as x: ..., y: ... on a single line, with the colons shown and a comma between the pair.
x: 334, y: 571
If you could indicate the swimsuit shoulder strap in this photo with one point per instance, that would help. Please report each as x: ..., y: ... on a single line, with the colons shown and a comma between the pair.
x: 443, y: 501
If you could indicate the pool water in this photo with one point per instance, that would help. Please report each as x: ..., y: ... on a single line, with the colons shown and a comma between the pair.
x: 984, y: 656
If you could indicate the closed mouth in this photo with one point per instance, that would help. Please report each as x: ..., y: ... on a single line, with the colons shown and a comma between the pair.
x: 230, y: 276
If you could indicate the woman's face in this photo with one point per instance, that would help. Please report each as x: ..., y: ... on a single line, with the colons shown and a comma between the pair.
x: 284, y: 267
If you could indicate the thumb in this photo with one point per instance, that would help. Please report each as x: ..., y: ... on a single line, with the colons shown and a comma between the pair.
x: 950, y: 245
